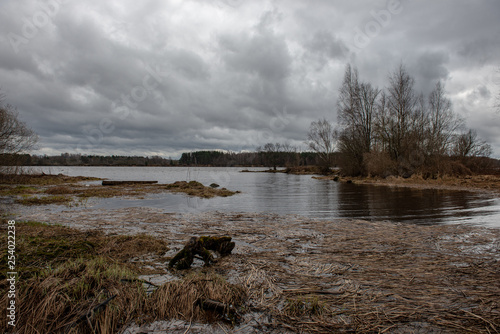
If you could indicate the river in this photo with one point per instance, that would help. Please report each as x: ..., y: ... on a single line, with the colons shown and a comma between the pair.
x: 299, y: 194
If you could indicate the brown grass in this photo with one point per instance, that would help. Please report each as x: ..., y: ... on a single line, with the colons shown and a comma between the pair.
x: 65, y: 189
x: 43, y: 200
x: 65, y: 274
x: 490, y: 183
x: 184, y: 299
x: 42, y: 179
x: 194, y: 188
x: 381, y: 278
x: 58, y: 300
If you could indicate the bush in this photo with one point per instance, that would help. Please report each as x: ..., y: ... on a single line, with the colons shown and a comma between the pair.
x: 379, y: 164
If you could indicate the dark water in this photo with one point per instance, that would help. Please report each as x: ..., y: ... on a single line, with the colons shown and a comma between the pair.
x: 301, y: 194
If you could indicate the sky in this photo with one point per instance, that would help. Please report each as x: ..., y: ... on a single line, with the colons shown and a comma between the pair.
x: 163, y: 77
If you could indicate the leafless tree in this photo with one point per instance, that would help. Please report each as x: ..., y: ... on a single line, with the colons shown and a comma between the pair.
x: 443, y: 122
x: 276, y: 153
x: 15, y: 136
x: 401, y: 103
x: 356, y: 108
x: 468, y: 144
x: 322, y: 140
x: 399, y: 131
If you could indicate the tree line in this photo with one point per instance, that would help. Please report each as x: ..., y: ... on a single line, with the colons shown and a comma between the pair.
x: 271, y: 155
x: 397, y: 131
x: 67, y: 159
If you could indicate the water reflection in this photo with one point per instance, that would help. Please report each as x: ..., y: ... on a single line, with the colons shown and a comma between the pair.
x: 423, y: 206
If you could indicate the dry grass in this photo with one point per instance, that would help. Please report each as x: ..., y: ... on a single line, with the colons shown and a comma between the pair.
x: 194, y: 188
x: 310, y: 277
x: 42, y: 179
x: 490, y: 183
x: 61, y: 300
x: 64, y: 190
x: 187, y: 299
x: 381, y: 278
x: 43, y: 200
x: 83, y: 282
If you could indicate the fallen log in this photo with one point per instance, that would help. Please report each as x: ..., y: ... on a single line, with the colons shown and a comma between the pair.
x: 118, y: 183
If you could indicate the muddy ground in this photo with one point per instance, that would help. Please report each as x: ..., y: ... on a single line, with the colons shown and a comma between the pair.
x: 305, y: 275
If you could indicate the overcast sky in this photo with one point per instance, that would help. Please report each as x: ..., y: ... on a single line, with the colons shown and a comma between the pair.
x: 162, y: 77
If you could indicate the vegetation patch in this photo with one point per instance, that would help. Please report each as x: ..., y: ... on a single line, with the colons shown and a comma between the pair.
x: 203, y: 297
x: 6, y: 190
x: 194, y: 188
x: 42, y: 179
x: 43, y: 200
x: 30, y: 189
x: 74, y: 281
x: 489, y: 183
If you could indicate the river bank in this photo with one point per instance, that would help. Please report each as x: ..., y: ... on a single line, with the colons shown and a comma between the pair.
x: 304, y: 275
x: 480, y: 183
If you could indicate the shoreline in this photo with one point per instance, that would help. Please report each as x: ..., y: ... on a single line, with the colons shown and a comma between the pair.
x: 478, y: 183
x: 325, y: 275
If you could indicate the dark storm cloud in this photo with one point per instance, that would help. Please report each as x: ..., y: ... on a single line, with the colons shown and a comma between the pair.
x: 126, y: 77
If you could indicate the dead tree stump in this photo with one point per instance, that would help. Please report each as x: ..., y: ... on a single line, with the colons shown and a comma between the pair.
x: 201, y: 246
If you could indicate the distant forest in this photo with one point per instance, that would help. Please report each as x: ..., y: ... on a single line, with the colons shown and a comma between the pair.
x: 272, y: 159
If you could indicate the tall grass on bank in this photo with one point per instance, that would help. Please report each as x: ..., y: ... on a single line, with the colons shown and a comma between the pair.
x: 72, y: 281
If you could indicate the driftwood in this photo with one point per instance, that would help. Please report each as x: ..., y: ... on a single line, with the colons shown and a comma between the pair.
x: 201, y: 246
x: 118, y: 183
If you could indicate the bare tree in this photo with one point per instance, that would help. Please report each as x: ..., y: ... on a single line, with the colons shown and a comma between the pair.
x: 468, y: 144
x: 322, y: 140
x: 272, y: 153
x: 398, y: 130
x: 401, y: 103
x: 443, y: 122
x: 15, y: 136
x: 356, y: 109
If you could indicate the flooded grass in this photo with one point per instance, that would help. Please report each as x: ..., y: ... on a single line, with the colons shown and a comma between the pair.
x: 30, y: 189
x: 43, y: 200
x: 293, y: 274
